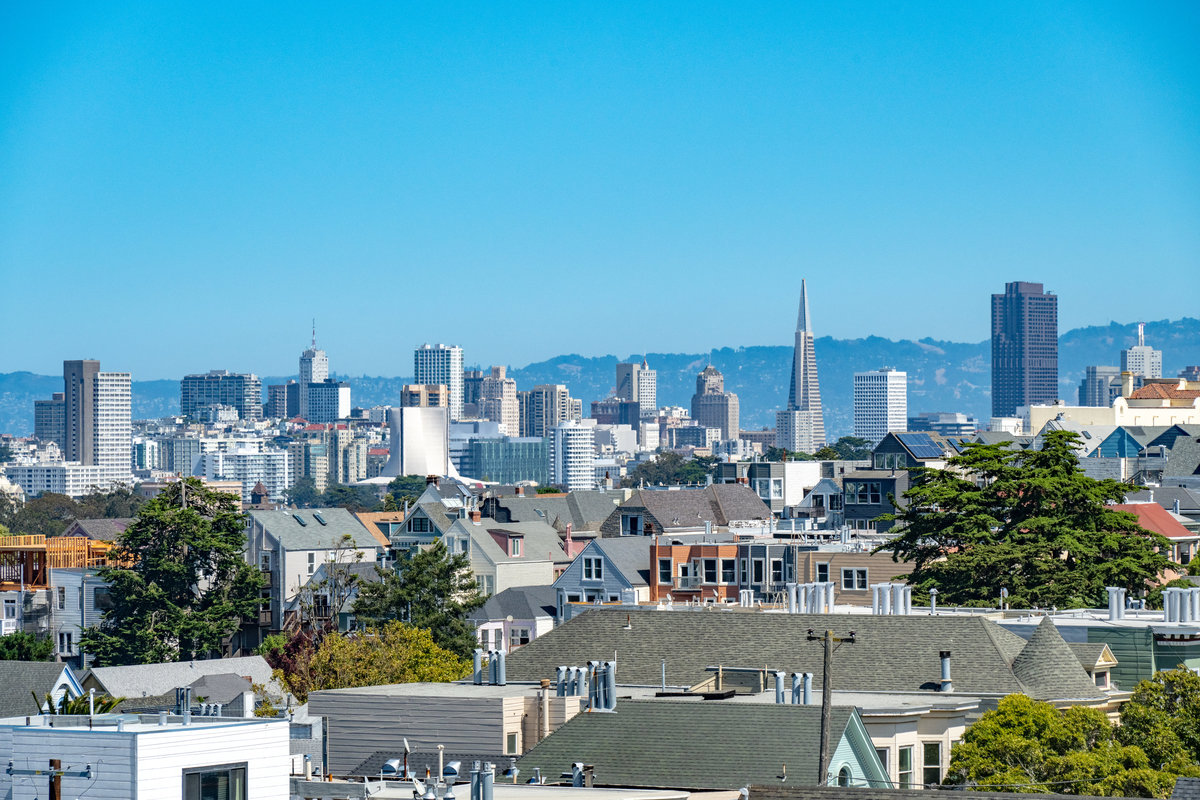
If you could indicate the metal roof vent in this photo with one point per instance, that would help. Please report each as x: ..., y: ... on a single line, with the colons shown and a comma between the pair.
x: 300, y: 519
x: 317, y: 516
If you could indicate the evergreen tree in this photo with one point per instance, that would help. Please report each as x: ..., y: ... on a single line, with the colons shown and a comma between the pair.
x: 1029, y: 521
x: 22, y: 646
x: 180, y: 585
x: 433, y: 589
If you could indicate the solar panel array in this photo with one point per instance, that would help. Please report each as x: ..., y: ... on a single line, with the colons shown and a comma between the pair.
x: 920, y: 445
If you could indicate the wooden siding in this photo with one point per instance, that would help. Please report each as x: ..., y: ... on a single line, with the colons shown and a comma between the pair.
x: 360, y: 725
x: 879, y: 566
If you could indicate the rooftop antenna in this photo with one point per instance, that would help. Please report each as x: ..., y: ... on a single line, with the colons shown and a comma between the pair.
x: 314, y: 338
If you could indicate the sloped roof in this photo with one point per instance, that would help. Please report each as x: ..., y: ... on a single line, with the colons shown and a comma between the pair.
x: 439, y: 514
x: 585, y: 510
x: 314, y: 528
x: 1049, y: 669
x: 541, y: 541
x: 630, y: 555
x: 19, y: 680
x: 719, y: 504
x: 891, y: 653
x: 146, y: 680
x: 519, y: 602
x: 106, y: 530
x: 1185, y: 457
x: 1165, y: 496
x: 1164, y: 391
x: 708, y: 745
x: 1154, y: 517
x: 1091, y: 653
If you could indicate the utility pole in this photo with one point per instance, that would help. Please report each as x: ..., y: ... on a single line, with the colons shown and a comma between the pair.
x: 55, y: 779
x: 827, y: 640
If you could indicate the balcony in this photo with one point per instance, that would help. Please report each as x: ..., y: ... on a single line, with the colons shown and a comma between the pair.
x: 688, y: 583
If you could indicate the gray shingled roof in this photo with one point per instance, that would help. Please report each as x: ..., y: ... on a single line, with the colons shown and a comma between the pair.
x: 321, y: 528
x: 541, y: 541
x: 892, y: 653
x: 585, y: 510
x: 1186, y: 789
x: 630, y: 555
x: 147, y: 680
x: 519, y: 602
x: 1049, y: 669
x: 18, y: 679
x: 1088, y: 653
x: 695, y: 745
x: 687, y: 508
x: 106, y: 530
x: 1184, y: 459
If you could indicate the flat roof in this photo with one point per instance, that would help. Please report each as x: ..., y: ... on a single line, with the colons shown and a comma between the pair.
x: 129, y: 723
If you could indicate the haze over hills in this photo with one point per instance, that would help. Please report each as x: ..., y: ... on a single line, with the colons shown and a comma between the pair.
x: 942, y: 376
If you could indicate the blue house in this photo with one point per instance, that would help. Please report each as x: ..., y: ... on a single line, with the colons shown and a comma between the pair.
x: 605, y: 571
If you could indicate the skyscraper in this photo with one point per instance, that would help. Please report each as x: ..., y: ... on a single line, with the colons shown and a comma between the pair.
x: 880, y: 403
x: 1100, y: 386
x: 221, y: 387
x: 801, y: 426
x: 440, y: 363
x: 498, y: 401
x: 1143, y: 361
x: 79, y: 408
x: 572, y: 456
x: 639, y: 383
x: 314, y: 368
x: 712, y: 406
x: 1024, y: 348
x: 97, y: 416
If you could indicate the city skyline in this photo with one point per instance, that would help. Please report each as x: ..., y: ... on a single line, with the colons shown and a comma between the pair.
x: 237, y: 153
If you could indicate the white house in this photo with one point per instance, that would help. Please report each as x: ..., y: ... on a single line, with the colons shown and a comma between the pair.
x: 505, y: 555
x: 146, y: 757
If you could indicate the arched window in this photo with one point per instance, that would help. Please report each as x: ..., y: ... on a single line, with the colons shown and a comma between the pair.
x: 843, y: 776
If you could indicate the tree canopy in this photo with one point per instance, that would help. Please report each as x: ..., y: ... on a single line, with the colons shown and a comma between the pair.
x: 1163, y: 717
x: 434, y: 589
x: 671, y: 469
x: 50, y: 514
x: 180, y: 584
x: 22, y: 646
x: 1029, y: 521
x: 1026, y: 746
x: 392, y: 653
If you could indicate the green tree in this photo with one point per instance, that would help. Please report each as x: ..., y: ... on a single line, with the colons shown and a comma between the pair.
x: 406, y: 488
x: 1028, y: 521
x: 303, y: 493
x: 351, y: 498
x: 49, y: 514
x: 852, y: 448
x: 100, y: 704
x: 434, y: 589
x: 116, y: 504
x: 1163, y: 717
x: 670, y: 469
x: 22, y: 646
x: 392, y: 653
x: 1026, y: 746
x: 181, y: 585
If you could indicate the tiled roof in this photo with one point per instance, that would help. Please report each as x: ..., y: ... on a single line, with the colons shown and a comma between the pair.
x: 20, y: 679
x: 1089, y: 653
x: 1049, y: 669
x: 1164, y: 391
x: 1154, y: 517
x: 542, y: 542
x: 695, y: 745
x: 891, y: 653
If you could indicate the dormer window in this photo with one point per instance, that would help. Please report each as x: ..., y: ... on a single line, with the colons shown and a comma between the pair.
x: 515, y: 548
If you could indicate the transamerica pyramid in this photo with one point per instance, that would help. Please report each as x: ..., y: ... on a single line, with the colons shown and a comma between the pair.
x: 806, y: 430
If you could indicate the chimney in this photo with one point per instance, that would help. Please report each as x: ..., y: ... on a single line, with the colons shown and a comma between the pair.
x: 1175, y: 506
x: 1126, y: 384
x: 560, y: 682
x: 946, y: 685
x: 476, y: 515
x: 520, y: 491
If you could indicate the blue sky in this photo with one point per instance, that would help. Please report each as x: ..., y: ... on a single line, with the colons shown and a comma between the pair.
x: 533, y: 179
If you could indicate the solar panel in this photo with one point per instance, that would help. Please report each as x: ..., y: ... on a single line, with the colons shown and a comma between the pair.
x: 920, y: 445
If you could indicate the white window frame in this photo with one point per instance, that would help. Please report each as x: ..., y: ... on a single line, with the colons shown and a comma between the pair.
x: 593, y: 569
x: 858, y: 579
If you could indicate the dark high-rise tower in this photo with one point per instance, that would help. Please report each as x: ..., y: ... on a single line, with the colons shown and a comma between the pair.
x: 1024, y: 348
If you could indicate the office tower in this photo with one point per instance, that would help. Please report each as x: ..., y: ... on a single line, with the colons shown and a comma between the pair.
x: 243, y: 393
x: 546, y: 406
x: 423, y: 395
x: 880, y: 403
x: 283, y: 400
x: 498, y: 401
x: 50, y: 420
x: 572, y: 456
x: 946, y: 423
x: 615, y: 411
x: 508, y: 460
x: 1100, y: 386
x: 801, y: 426
x: 328, y: 401
x: 1143, y: 361
x: 1024, y: 348
x: 314, y: 368
x: 439, y: 363
x: 712, y: 406
x: 639, y: 383
x: 472, y: 385
x: 1190, y: 373
x: 79, y: 408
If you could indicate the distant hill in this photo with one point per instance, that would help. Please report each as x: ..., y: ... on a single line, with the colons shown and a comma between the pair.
x: 942, y: 376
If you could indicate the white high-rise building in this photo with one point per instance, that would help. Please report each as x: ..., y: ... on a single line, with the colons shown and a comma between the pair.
x: 1141, y: 359
x: 113, y: 426
x: 573, y: 456
x: 314, y: 368
x: 249, y: 466
x: 328, y: 401
x: 498, y: 401
x: 880, y: 403
x: 639, y: 383
x: 440, y: 363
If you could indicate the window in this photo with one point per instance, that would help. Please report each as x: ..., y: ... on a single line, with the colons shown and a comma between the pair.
x: 227, y: 782
x: 66, y: 644
x: 843, y: 778
x: 835, y: 502
x: 822, y: 573
x: 882, y: 753
x: 905, y: 766
x: 889, y: 461
x: 102, y: 599
x: 863, y: 493
x: 710, y: 570
x: 776, y: 570
x: 777, y: 489
x: 664, y: 570
x: 10, y: 609
x: 593, y: 569
x: 931, y: 775
x: 489, y: 585
x: 264, y: 562
x: 1102, y: 679
x: 62, y: 597
x: 728, y: 570
x: 514, y: 546
x: 312, y: 562
x: 518, y: 637
x: 631, y: 524
x: 510, y: 744
x: 854, y: 580
x: 745, y: 573
x: 758, y: 571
